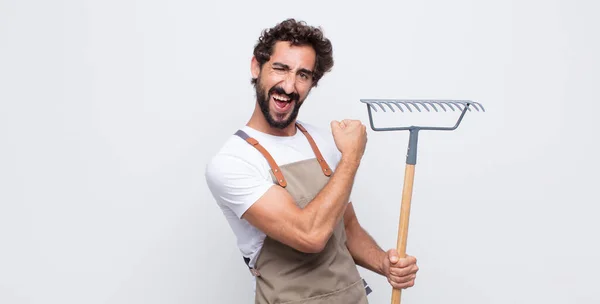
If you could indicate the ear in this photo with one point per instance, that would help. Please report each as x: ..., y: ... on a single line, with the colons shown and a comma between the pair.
x: 254, y: 67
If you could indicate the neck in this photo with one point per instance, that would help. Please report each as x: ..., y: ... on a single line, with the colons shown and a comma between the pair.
x: 258, y: 122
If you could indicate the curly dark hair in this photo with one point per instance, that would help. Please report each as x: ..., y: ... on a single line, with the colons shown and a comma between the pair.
x: 297, y: 33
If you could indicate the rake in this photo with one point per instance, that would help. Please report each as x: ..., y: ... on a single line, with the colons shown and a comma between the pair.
x: 404, y: 106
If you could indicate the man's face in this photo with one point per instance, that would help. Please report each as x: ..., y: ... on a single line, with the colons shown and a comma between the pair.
x: 284, y: 82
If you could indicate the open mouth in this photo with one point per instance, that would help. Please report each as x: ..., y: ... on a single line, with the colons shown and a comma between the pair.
x: 282, y: 103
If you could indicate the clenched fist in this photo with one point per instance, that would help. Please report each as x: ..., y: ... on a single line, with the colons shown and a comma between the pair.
x: 350, y: 138
x: 400, y: 272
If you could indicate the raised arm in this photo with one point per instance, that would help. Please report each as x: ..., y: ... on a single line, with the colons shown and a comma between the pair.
x: 308, y: 229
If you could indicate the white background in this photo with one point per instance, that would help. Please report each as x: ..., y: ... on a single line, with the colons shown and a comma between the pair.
x: 109, y: 111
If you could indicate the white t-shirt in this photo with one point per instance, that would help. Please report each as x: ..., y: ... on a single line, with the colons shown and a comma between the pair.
x: 238, y: 175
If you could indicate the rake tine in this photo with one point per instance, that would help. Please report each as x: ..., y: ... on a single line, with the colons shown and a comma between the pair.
x: 389, y: 106
x: 472, y: 104
x: 399, y: 107
x: 432, y: 104
x: 414, y: 105
x: 479, y: 105
x: 406, y: 105
x: 371, y: 106
x: 440, y: 104
x: 457, y: 104
x: 423, y: 104
x: 379, y: 104
x: 448, y: 104
x: 467, y: 105
x: 461, y: 104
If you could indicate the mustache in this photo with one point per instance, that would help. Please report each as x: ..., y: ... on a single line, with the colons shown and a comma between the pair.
x: 280, y: 91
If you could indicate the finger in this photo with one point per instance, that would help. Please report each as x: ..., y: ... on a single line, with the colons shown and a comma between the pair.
x: 403, y: 285
x: 407, y: 261
x: 402, y: 279
x: 337, y: 125
x: 403, y: 271
x: 351, y: 122
x: 393, y: 256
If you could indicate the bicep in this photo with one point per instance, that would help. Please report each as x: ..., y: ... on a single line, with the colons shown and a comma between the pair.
x: 277, y: 215
x: 251, y: 194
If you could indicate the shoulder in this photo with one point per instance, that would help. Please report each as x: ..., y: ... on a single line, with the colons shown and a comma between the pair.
x: 235, y: 155
x: 236, y: 175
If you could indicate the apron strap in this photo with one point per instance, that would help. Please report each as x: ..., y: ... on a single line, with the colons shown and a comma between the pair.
x: 320, y: 158
x: 274, y: 167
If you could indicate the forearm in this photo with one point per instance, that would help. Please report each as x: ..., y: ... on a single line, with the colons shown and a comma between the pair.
x: 364, y: 249
x: 324, y: 212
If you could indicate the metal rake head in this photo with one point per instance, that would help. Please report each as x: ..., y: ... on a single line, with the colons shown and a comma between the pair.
x: 411, y: 103
x: 415, y: 104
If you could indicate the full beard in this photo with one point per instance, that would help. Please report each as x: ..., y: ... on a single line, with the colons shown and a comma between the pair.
x: 277, y: 120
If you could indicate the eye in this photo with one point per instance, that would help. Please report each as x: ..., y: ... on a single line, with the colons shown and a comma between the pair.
x: 279, y: 69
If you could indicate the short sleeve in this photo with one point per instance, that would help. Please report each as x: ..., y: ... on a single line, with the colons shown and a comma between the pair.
x: 236, y: 183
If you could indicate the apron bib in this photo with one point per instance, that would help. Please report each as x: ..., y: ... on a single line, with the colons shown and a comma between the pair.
x: 286, y: 275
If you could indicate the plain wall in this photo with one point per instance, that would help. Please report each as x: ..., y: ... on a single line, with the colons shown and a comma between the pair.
x: 110, y: 110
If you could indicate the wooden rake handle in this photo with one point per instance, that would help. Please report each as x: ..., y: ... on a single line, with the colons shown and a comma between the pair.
x: 409, y: 177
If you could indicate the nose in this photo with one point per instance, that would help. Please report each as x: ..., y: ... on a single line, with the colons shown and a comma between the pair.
x: 289, y: 83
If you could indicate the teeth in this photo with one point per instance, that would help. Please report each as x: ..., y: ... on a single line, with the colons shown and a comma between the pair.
x: 280, y: 98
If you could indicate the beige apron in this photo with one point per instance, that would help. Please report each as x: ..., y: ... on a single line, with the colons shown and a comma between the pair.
x: 286, y: 275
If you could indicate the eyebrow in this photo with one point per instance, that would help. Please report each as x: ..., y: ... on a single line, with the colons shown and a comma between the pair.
x: 285, y: 66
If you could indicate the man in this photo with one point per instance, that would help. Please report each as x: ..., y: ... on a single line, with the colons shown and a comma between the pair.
x: 284, y: 185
